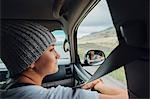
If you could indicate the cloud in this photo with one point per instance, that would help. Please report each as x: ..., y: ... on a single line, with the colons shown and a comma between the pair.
x: 98, y: 19
x: 99, y: 16
x: 86, y: 30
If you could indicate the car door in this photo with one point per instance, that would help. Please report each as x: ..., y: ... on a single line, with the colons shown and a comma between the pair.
x: 131, y: 32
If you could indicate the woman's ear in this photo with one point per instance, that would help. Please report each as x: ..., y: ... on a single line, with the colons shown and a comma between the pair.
x: 32, y: 65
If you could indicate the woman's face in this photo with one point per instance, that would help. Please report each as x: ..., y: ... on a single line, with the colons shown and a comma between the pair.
x: 47, y: 63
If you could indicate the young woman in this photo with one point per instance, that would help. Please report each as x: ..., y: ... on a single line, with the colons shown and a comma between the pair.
x: 28, y: 51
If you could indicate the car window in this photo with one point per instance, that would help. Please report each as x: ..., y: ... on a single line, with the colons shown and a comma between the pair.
x: 97, y: 32
x: 64, y: 56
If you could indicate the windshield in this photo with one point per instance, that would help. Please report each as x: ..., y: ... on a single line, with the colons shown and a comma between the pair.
x: 60, y: 38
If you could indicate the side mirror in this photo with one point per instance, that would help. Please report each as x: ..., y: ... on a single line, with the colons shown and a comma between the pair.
x: 94, y: 57
x: 66, y: 46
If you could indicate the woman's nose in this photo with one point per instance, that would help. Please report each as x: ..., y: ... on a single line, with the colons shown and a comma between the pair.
x: 57, y: 55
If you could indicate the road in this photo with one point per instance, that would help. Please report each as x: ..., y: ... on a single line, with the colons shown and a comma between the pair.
x: 108, y: 80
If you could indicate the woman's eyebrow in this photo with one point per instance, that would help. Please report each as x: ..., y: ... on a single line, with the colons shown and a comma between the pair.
x: 53, y: 45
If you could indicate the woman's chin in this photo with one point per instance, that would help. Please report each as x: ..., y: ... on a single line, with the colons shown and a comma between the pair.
x: 54, y: 71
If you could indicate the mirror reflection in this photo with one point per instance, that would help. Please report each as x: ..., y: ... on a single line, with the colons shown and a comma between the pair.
x: 94, y: 57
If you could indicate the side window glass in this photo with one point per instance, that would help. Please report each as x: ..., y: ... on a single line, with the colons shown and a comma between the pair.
x: 97, y: 32
x: 60, y: 38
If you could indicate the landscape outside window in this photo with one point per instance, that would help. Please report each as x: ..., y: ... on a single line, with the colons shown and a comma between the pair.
x: 96, y: 32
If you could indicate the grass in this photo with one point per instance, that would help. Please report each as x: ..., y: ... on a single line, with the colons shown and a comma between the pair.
x: 119, y: 74
x: 81, y: 53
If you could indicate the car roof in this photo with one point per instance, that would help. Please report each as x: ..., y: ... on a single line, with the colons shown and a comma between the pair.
x: 62, y: 12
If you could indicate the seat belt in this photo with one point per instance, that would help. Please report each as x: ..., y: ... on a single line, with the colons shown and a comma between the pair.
x: 120, y: 56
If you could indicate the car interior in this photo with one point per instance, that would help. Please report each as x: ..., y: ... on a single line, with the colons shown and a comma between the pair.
x: 130, y: 18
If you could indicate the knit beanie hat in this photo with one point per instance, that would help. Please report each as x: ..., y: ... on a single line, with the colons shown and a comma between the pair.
x: 22, y: 43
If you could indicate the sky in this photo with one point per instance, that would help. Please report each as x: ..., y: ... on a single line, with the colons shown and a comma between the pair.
x: 59, y: 35
x: 98, y: 19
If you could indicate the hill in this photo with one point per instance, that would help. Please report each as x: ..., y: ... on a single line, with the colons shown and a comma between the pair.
x: 105, y: 40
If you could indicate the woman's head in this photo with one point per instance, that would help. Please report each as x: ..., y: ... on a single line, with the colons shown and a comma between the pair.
x: 47, y: 62
x: 91, y: 54
x: 25, y: 44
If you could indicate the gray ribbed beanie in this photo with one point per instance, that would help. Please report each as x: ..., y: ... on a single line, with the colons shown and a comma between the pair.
x: 22, y: 43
